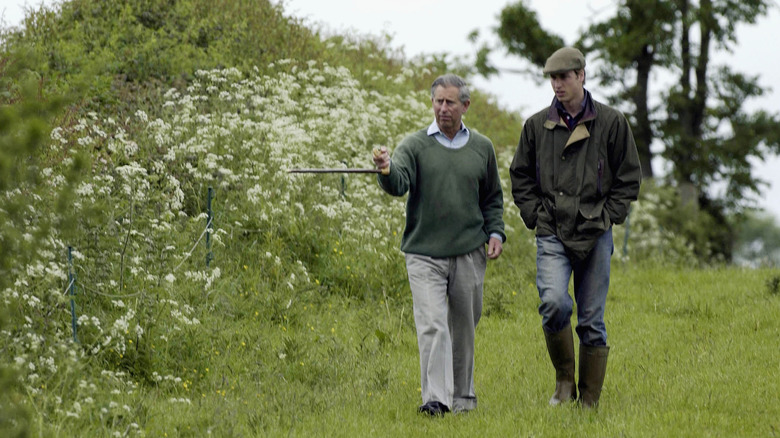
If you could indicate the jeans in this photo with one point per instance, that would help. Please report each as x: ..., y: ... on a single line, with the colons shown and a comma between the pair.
x: 554, y: 267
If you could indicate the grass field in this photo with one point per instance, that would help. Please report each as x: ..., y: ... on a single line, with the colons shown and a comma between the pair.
x: 693, y: 353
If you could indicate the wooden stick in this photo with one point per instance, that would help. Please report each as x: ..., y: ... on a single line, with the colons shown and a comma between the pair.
x: 334, y: 171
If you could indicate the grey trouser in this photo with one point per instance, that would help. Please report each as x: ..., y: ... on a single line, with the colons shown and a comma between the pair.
x: 447, y: 294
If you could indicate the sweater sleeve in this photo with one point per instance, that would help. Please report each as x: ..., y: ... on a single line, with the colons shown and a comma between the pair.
x: 402, y: 170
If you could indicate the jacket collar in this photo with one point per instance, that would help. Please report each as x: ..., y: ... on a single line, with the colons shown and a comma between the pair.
x: 580, y: 132
x: 553, y: 118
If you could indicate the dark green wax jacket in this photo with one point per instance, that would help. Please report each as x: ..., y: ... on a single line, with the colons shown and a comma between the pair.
x: 575, y: 184
x: 455, y: 199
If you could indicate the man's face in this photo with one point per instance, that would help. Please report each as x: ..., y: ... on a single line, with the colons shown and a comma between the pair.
x: 568, y: 86
x: 448, y: 109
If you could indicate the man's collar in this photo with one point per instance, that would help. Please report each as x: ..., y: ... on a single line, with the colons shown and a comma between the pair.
x: 588, y: 113
x: 433, y: 128
x: 585, y: 98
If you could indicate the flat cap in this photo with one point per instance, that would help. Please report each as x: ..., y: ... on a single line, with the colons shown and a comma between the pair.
x: 563, y: 60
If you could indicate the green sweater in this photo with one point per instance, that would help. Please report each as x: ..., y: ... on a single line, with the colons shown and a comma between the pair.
x: 455, y: 200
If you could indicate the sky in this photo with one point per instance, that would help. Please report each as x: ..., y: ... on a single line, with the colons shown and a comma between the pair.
x: 439, y: 26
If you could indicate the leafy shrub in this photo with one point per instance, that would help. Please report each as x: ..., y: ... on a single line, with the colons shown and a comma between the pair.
x: 773, y: 285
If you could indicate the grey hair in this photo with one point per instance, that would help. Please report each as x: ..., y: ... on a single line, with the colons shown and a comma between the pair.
x: 452, y: 80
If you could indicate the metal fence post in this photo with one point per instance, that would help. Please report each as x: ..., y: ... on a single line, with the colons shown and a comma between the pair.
x: 72, y: 290
x: 628, y: 229
x: 209, y: 226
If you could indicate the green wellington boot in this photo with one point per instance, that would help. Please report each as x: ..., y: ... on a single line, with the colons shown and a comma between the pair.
x: 593, y: 367
x: 561, y: 348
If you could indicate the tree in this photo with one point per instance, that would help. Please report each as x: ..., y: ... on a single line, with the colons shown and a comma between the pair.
x: 638, y: 38
x: 707, y: 135
x: 703, y: 103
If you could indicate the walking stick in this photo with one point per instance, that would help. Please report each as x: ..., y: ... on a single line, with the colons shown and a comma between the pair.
x: 384, y: 171
x: 336, y: 170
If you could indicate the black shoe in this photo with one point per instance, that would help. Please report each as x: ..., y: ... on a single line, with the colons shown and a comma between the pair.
x: 434, y: 409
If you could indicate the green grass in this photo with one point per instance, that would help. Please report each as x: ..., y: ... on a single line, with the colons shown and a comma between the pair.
x: 693, y: 353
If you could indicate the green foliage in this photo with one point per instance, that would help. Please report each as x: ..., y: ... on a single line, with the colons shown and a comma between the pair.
x: 662, y: 229
x: 773, y: 285
x: 758, y: 239
x: 522, y: 34
x: 113, y: 45
x: 25, y: 114
x: 487, y: 117
x: 15, y: 417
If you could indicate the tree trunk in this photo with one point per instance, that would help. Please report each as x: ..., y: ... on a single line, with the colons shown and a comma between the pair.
x: 689, y: 195
x: 643, y: 132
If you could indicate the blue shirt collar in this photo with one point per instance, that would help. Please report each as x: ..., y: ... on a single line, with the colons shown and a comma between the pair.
x: 460, y: 139
x: 434, y: 129
x: 586, y: 97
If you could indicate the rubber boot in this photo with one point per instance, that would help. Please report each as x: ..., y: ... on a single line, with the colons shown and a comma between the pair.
x: 560, y: 345
x: 593, y: 367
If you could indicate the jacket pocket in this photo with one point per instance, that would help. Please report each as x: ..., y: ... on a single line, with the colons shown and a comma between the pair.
x: 546, y: 212
x: 529, y: 211
x: 592, y: 218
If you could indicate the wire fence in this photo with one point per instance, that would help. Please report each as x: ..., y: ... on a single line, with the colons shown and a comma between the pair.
x: 71, y: 289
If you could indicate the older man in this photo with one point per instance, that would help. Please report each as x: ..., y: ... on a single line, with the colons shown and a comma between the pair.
x: 454, y: 208
x: 575, y: 172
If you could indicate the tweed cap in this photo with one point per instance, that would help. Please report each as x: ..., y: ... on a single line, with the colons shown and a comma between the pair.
x: 563, y: 60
